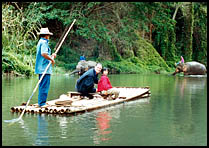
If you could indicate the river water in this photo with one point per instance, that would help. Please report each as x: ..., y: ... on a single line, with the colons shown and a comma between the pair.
x: 174, y: 115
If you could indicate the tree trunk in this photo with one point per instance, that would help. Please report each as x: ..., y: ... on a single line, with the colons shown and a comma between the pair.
x: 176, y: 10
x: 189, y: 19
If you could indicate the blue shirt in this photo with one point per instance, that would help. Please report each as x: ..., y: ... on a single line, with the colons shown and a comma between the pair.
x: 41, y: 62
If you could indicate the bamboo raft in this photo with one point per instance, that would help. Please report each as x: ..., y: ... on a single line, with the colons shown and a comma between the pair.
x: 72, y: 103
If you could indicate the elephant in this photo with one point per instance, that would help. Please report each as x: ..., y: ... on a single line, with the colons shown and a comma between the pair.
x: 83, y: 66
x: 191, y: 68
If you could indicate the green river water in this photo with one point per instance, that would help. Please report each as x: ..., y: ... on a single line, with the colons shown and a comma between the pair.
x: 174, y: 115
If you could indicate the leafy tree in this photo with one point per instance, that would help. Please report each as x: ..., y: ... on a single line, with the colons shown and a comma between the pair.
x: 107, y: 30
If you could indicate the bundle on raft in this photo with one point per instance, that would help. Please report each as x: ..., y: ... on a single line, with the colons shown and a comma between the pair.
x: 73, y: 103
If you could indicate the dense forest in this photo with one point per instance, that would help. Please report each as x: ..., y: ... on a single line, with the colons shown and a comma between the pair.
x: 127, y: 37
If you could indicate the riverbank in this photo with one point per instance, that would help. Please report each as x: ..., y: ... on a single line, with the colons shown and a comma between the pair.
x: 56, y: 70
x: 62, y: 71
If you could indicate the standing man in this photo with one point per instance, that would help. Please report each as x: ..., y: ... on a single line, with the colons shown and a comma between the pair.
x: 43, y: 57
x: 85, y: 84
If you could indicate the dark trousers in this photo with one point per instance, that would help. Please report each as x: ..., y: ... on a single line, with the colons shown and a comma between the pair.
x: 43, y: 89
x: 85, y: 92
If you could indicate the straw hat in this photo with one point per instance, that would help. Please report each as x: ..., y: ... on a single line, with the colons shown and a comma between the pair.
x: 44, y: 31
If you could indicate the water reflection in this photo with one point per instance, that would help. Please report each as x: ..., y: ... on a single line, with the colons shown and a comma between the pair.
x: 103, y: 125
x: 42, y: 138
x: 63, y: 126
x: 191, y: 84
x: 186, y: 109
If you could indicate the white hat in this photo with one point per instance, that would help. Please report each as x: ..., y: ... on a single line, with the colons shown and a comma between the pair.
x: 45, y: 31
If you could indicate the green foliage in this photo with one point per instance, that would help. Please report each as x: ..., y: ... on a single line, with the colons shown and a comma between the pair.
x: 200, y: 33
x: 17, y: 30
x: 149, y: 55
x: 13, y: 62
x: 123, y: 67
x: 124, y: 33
x: 70, y: 66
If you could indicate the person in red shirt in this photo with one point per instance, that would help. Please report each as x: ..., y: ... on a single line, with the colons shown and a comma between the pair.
x: 104, y: 85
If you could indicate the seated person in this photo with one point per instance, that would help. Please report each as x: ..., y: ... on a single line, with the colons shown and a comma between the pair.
x: 85, y: 84
x: 180, y: 62
x: 82, y: 58
x: 104, y: 85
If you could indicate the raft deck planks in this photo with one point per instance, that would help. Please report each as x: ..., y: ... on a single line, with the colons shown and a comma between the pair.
x: 82, y: 105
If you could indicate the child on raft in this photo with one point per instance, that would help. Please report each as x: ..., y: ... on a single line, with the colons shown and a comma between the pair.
x: 105, y: 87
